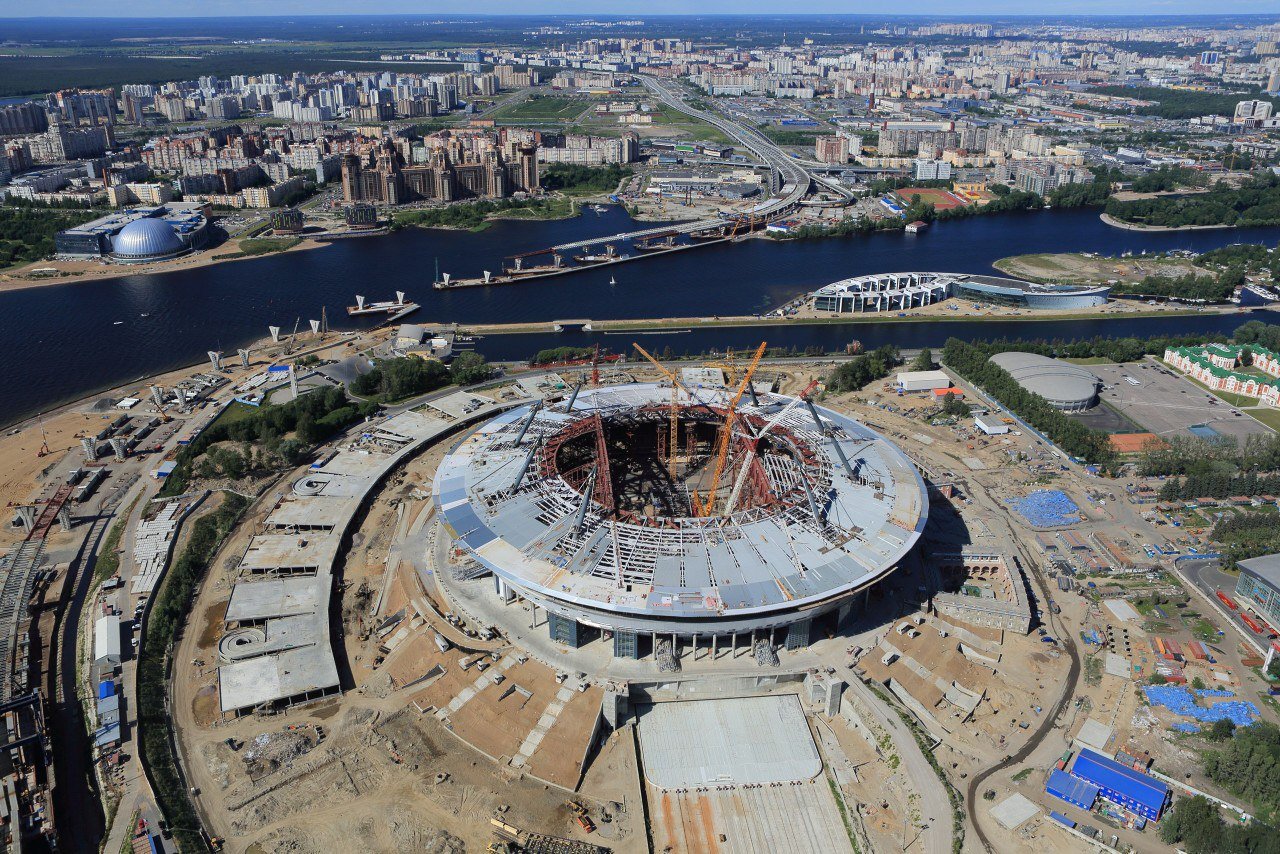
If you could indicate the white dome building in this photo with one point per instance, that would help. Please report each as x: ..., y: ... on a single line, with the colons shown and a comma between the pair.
x: 146, y: 239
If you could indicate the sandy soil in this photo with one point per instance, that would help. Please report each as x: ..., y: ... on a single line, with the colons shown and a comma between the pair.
x: 81, y: 271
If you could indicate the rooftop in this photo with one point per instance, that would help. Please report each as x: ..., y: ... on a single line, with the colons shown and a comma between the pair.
x: 1266, y: 568
x: 766, y: 555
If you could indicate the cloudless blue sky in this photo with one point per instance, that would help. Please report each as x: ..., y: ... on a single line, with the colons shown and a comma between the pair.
x: 638, y: 8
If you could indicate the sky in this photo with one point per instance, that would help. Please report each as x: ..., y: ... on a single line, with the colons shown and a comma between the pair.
x: 638, y: 8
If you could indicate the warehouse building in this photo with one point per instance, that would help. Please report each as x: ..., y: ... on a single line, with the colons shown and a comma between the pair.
x: 106, y: 644
x: 1122, y: 785
x: 1068, y: 387
x: 923, y: 380
x: 1073, y: 790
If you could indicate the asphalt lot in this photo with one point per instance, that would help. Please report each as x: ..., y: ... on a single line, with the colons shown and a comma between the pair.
x: 1166, y: 403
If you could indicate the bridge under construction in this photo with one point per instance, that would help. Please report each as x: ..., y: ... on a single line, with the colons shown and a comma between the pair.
x: 789, y: 183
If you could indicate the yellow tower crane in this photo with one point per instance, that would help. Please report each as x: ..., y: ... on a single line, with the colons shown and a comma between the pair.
x: 724, y: 439
x: 673, y: 442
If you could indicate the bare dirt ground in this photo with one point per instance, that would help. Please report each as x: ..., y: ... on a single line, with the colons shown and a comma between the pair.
x: 1078, y: 268
x: 376, y: 769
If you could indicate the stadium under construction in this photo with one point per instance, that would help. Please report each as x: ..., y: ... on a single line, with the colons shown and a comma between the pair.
x: 659, y: 513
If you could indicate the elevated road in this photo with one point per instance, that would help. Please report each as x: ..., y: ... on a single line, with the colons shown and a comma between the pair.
x: 787, y: 175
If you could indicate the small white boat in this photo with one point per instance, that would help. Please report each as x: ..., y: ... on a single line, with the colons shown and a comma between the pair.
x: 117, y: 323
x: 612, y: 280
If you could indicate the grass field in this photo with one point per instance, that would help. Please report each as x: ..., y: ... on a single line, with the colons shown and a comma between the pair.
x: 689, y: 127
x: 1078, y: 268
x: 544, y: 108
x: 1267, y: 415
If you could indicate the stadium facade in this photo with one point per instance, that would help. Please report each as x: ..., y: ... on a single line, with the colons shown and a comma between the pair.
x: 578, y: 508
x: 900, y: 291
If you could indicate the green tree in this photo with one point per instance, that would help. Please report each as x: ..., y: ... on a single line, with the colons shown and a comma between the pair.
x: 469, y: 367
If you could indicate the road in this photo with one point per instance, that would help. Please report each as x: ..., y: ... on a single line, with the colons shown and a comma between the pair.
x: 1208, y: 580
x: 935, y: 805
x: 76, y: 804
x: 795, y: 180
x: 999, y: 514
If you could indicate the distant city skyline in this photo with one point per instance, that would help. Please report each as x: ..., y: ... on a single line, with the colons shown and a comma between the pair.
x: 272, y: 8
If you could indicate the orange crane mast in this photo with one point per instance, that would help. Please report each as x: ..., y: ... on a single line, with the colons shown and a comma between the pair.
x: 726, y: 432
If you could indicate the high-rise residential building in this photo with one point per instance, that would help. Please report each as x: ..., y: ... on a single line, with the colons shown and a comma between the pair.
x: 932, y: 170
x: 457, y: 166
x: 831, y: 149
x: 17, y: 119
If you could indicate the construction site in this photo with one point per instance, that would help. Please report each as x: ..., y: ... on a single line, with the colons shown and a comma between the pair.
x: 641, y: 607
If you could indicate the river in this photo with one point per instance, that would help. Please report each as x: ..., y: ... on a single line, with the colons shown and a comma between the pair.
x: 63, y: 341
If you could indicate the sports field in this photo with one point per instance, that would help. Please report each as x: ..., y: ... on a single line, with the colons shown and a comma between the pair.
x: 940, y: 199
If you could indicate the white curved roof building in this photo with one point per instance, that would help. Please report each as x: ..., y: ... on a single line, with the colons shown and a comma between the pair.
x: 899, y: 291
x: 1069, y: 387
x: 146, y: 240
x: 576, y: 511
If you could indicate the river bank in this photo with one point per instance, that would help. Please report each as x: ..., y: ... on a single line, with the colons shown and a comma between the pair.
x: 72, y: 336
x: 1157, y: 229
x: 1110, y: 311
x: 227, y: 252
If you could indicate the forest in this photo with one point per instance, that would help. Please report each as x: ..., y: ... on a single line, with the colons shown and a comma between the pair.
x: 26, y: 232
x: 1182, y: 103
x: 1255, y: 202
x: 866, y: 368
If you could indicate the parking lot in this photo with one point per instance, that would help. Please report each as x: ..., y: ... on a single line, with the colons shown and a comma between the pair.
x: 1168, y: 404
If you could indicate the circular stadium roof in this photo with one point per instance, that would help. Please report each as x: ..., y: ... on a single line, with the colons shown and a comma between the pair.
x: 1063, y: 384
x: 582, y: 516
x: 146, y: 238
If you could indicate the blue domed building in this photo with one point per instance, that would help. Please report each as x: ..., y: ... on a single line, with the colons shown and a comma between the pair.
x: 139, y: 235
x: 146, y: 240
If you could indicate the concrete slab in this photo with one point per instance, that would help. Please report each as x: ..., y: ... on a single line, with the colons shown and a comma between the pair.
x: 1014, y: 811
x: 736, y: 741
x: 1122, y: 610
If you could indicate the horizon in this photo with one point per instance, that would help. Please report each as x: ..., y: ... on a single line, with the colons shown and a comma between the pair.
x: 941, y: 9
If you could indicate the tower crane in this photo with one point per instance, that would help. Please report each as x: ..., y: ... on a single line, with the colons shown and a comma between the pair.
x: 724, y: 439
x: 673, y: 442
x: 753, y: 446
